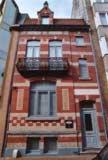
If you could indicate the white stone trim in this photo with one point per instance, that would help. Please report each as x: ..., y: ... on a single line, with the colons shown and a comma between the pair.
x: 86, y: 92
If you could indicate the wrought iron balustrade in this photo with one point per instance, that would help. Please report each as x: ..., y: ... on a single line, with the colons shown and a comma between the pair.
x: 52, y: 64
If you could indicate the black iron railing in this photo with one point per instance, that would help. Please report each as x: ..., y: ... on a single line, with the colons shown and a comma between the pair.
x: 42, y: 64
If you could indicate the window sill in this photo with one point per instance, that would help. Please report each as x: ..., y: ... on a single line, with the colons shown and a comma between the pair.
x: 41, y: 118
x: 85, y: 79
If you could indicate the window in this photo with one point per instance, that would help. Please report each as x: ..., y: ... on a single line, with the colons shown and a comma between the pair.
x: 42, y: 100
x: 32, y: 144
x: 88, y: 122
x: 50, y: 144
x: 83, y: 68
x: 55, y: 49
x: 45, y: 20
x: 79, y: 41
x: 33, y: 49
x: 98, y: 0
x: 103, y: 18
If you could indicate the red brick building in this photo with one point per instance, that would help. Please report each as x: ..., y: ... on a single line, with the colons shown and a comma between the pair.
x: 55, y: 104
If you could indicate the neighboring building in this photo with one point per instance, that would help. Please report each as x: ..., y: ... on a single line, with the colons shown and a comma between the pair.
x: 105, y: 58
x: 9, y: 15
x: 95, y: 13
x: 55, y: 107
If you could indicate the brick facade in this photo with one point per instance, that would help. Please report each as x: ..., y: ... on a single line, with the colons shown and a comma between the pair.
x: 72, y: 92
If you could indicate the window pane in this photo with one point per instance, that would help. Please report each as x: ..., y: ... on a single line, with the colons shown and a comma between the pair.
x: 45, y: 20
x: 88, y: 122
x: 32, y: 103
x: 36, y: 52
x: 58, y: 52
x: 52, y: 103
x: 33, y: 144
x: 33, y: 43
x: 79, y: 41
x: 52, y: 51
x: 29, y: 51
x: 103, y: 18
x: 33, y: 49
x: 55, y: 49
x: 42, y: 99
x: 83, y: 68
x: 50, y: 144
x: 98, y: 0
x: 43, y: 103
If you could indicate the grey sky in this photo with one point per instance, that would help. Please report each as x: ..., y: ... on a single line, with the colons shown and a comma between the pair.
x: 61, y: 8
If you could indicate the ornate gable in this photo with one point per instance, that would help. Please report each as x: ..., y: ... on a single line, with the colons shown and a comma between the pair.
x: 45, y: 15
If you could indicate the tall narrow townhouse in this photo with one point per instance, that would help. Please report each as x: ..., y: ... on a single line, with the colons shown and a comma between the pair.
x: 95, y: 13
x: 55, y: 104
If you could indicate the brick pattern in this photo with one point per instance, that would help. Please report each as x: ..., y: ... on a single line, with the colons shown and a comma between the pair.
x: 70, y: 90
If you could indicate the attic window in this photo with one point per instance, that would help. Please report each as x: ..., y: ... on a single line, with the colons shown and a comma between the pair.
x: 45, y: 20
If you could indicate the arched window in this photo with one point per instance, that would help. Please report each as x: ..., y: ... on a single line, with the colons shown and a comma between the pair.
x: 55, y: 49
x: 33, y: 49
x: 42, y: 100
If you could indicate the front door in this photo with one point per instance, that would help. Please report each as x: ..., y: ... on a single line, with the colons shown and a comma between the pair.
x: 89, y: 128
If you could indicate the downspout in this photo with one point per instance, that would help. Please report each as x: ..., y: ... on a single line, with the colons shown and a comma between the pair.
x: 9, y: 104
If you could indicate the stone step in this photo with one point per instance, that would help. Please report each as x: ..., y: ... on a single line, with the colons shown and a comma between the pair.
x: 73, y: 157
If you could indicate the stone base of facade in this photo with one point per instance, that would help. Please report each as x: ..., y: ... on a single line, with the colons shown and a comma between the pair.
x: 61, y: 151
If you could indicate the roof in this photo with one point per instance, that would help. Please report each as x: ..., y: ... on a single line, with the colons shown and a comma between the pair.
x: 29, y: 21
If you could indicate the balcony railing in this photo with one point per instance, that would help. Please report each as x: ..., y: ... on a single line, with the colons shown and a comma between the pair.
x: 33, y: 66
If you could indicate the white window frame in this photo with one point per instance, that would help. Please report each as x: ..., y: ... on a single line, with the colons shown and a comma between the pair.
x: 33, y: 45
x: 55, y: 46
x: 78, y: 42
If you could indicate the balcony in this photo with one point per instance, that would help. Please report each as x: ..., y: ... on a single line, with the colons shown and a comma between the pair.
x: 29, y: 67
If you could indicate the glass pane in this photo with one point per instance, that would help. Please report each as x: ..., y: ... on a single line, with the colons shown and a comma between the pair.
x: 58, y: 52
x: 45, y: 20
x: 33, y: 144
x: 36, y: 51
x: 29, y: 51
x: 43, y: 103
x: 50, y: 144
x: 103, y: 18
x: 79, y: 41
x: 52, y: 103
x: 52, y: 52
x: 32, y: 103
x: 88, y: 122
x: 33, y: 43
x: 83, y: 68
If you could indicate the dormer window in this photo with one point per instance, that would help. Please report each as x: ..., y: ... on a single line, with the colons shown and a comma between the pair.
x: 45, y: 15
x: 45, y: 20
